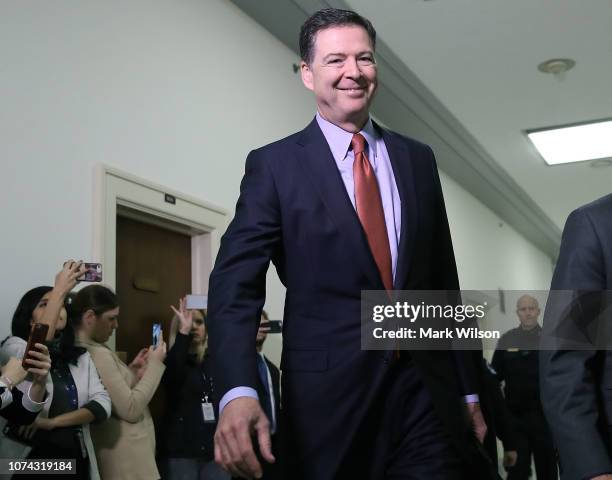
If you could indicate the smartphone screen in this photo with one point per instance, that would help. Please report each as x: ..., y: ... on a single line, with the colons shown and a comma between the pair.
x: 156, y: 334
x: 93, y: 273
x: 38, y: 334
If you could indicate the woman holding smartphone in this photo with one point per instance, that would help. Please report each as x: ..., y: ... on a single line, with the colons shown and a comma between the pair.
x: 76, y: 395
x: 125, y: 443
x: 188, y: 426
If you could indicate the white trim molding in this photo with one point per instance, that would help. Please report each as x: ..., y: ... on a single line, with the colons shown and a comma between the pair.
x: 117, y: 190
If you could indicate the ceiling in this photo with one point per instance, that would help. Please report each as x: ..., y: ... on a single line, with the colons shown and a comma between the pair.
x: 480, y: 57
x: 462, y: 75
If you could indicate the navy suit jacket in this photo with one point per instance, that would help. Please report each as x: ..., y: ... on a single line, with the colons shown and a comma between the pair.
x: 294, y: 210
x: 576, y: 385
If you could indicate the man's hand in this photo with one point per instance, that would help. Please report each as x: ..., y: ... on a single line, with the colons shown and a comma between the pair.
x: 241, y: 418
x: 477, y: 420
x: 607, y: 476
x: 510, y: 458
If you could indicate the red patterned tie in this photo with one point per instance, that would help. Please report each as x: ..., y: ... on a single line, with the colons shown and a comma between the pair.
x: 370, y: 210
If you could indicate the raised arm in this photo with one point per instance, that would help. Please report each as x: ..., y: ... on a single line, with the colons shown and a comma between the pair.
x: 65, y: 281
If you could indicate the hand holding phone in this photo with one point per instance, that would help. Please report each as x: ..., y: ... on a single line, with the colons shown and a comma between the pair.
x: 68, y: 276
x: 159, y: 352
x: 38, y: 334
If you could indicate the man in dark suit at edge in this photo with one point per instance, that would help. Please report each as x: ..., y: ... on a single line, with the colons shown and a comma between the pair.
x: 576, y: 385
x: 340, y: 207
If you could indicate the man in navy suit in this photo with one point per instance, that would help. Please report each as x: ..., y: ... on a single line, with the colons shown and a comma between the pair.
x: 340, y: 207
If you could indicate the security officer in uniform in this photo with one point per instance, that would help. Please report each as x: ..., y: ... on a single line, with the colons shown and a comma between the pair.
x: 515, y: 362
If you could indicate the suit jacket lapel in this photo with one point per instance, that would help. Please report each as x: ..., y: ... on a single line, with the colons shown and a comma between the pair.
x: 320, y: 167
x: 404, y: 178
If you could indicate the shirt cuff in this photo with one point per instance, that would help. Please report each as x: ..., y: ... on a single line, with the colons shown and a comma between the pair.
x: 235, y: 393
x: 97, y: 410
x: 30, y: 405
x: 473, y: 398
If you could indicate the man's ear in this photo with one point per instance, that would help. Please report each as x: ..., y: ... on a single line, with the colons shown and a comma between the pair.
x: 306, y: 73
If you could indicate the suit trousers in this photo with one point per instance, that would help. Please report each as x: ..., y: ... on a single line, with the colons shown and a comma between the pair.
x: 533, y: 438
x: 401, y: 437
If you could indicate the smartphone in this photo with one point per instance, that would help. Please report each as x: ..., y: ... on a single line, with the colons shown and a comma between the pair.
x: 92, y: 274
x: 38, y: 334
x: 156, y: 334
x: 196, y: 302
x: 276, y: 326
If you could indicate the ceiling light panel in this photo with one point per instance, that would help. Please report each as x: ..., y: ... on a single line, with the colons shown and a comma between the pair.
x: 576, y: 143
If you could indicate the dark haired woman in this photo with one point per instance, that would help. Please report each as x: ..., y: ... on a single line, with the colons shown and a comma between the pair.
x: 76, y: 395
x: 125, y: 444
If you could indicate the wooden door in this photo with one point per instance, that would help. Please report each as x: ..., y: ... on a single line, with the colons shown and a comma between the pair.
x: 153, y: 272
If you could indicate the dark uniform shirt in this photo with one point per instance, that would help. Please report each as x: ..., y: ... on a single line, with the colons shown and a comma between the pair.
x: 515, y: 362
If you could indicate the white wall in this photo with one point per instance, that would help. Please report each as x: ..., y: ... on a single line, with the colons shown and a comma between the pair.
x: 151, y: 87
x: 174, y: 92
x: 490, y: 254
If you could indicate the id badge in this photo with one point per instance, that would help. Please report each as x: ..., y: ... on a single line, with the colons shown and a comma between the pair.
x: 208, y: 411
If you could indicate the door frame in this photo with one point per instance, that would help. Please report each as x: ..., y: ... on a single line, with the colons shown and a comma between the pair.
x: 115, y: 188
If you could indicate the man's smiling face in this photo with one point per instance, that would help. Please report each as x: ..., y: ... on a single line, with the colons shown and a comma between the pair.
x: 342, y: 75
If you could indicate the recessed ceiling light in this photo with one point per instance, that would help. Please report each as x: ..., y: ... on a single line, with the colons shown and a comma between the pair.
x: 573, y: 143
x: 601, y: 163
x: 556, y: 66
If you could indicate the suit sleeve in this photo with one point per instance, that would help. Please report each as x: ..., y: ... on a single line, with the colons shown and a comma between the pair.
x: 236, y: 293
x: 445, y: 277
x: 502, y: 418
x: 568, y: 383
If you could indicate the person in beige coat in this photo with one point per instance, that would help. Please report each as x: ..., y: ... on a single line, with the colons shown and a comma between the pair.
x: 125, y: 443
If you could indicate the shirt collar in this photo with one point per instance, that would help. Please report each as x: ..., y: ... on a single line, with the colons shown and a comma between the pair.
x: 339, y: 140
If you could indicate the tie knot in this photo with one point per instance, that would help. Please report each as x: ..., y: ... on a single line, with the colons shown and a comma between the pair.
x: 358, y: 143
